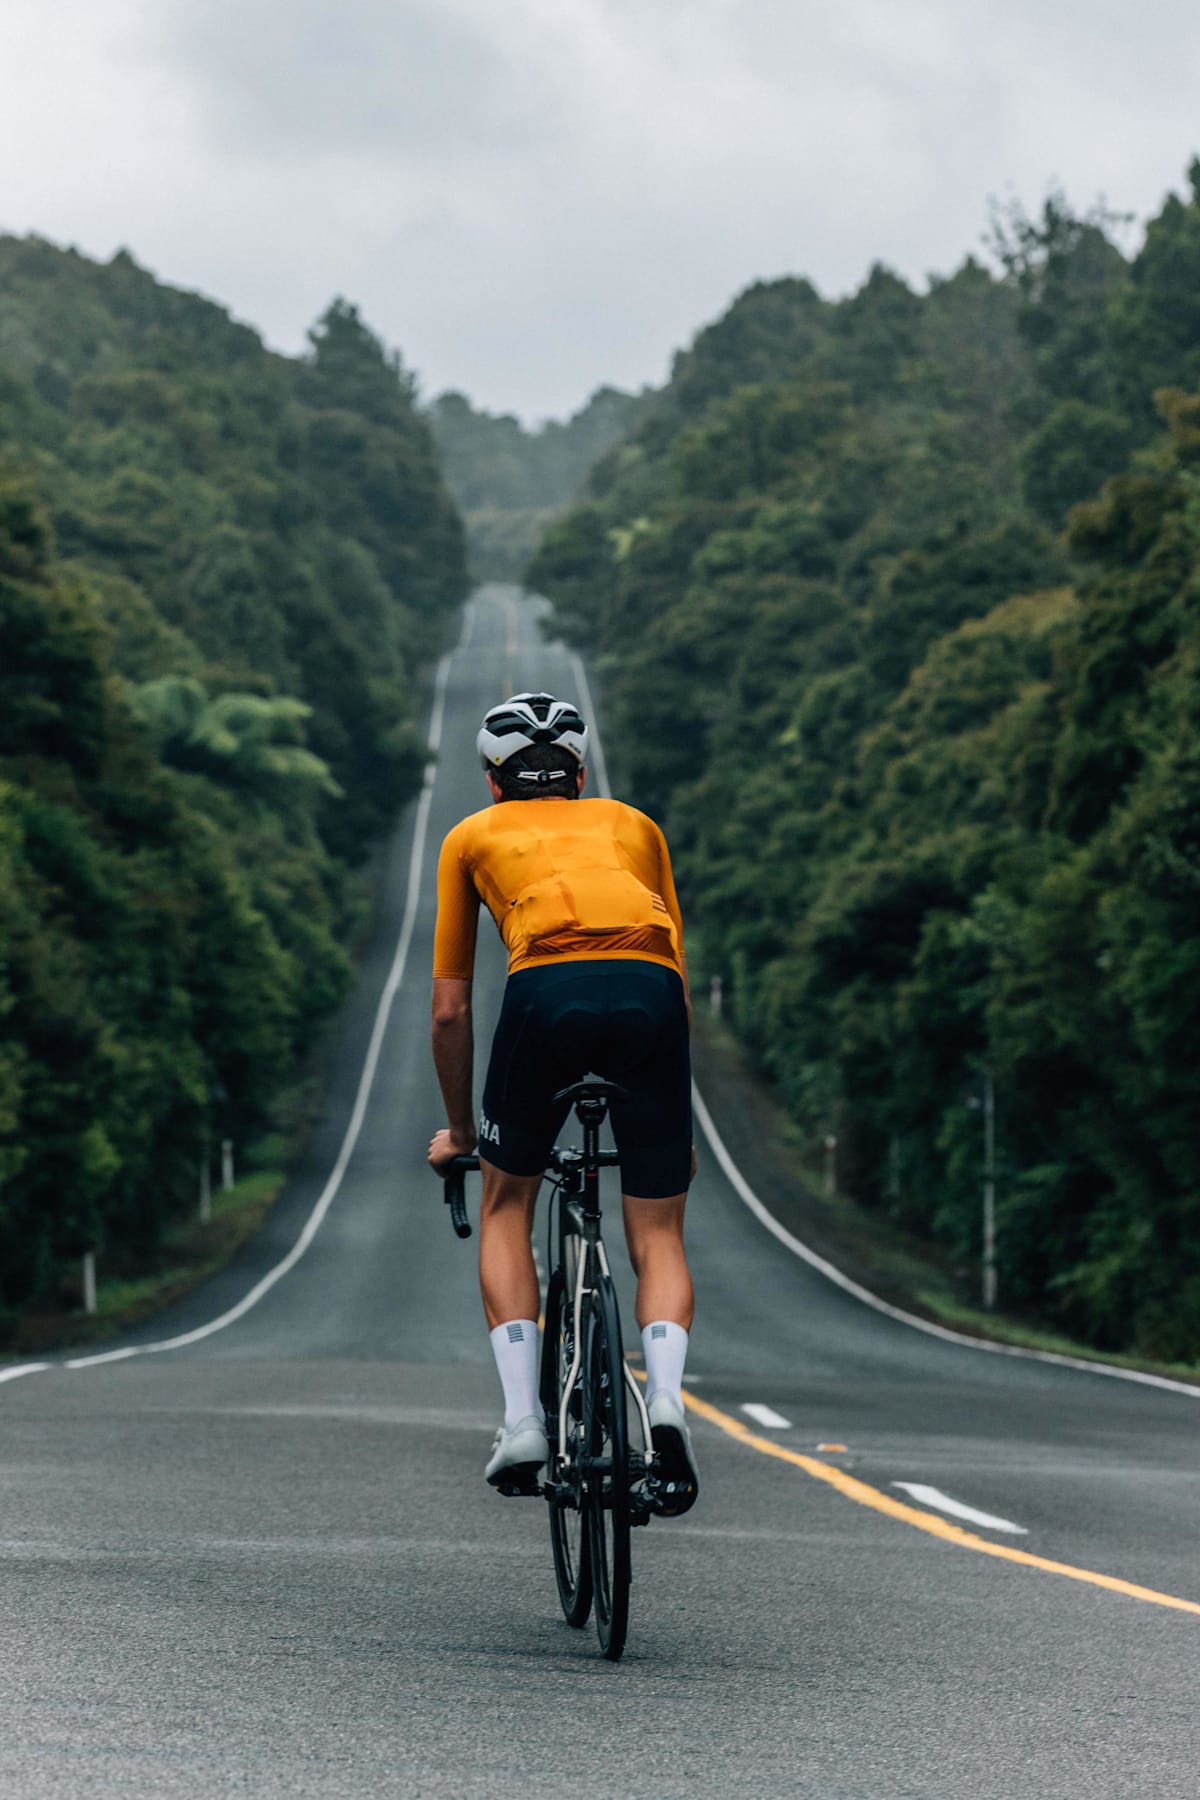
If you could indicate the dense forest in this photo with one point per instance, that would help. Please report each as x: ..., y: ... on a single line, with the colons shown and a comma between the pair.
x: 896, y: 601
x: 220, y: 571
x: 509, y: 482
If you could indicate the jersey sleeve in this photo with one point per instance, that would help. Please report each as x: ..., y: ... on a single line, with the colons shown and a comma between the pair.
x: 457, y: 914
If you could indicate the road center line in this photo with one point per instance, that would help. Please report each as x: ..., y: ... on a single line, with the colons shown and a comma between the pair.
x: 931, y: 1496
x: 766, y: 1415
x: 862, y: 1494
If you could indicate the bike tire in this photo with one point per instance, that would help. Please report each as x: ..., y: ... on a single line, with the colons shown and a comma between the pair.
x: 607, y: 1435
x: 568, y: 1523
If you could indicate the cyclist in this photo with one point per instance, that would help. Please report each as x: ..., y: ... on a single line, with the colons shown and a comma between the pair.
x: 582, y: 894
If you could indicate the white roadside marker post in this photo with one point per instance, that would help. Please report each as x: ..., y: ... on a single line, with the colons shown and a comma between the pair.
x: 831, y: 1165
x: 227, y: 1164
x: 89, y: 1281
x: 715, y: 996
x: 989, y: 1192
x: 205, y: 1183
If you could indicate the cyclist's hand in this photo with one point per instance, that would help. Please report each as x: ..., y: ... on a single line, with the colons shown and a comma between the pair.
x: 444, y: 1147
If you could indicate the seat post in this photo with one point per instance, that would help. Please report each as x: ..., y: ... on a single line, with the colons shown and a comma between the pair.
x: 590, y: 1112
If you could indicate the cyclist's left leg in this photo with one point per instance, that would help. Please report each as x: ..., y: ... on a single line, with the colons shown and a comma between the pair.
x: 511, y: 1301
x: 507, y: 1276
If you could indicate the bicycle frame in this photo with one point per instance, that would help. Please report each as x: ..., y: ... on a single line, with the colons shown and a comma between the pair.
x: 577, y: 1174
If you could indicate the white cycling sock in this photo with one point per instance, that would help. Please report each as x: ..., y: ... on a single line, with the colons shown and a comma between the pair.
x: 665, y: 1347
x: 515, y: 1347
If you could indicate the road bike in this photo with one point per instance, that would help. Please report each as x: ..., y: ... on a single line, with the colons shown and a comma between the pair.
x: 600, y: 1485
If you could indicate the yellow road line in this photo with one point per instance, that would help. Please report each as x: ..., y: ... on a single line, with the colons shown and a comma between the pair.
x: 864, y: 1495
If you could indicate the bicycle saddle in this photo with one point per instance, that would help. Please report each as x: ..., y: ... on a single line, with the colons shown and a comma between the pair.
x: 592, y: 1090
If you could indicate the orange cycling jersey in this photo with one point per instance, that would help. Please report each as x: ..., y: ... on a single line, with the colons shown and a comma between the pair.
x: 562, y: 879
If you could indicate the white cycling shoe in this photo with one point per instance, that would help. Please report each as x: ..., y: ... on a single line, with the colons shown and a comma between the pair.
x: 517, y: 1455
x: 678, y: 1483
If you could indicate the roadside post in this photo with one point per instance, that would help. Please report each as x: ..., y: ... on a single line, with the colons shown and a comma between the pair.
x: 205, y: 1183
x: 985, y: 1102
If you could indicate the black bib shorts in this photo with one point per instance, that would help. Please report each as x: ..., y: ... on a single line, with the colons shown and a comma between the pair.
x: 624, y: 1021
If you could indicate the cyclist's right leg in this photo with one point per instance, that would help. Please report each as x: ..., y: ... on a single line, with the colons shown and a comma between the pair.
x: 513, y: 1146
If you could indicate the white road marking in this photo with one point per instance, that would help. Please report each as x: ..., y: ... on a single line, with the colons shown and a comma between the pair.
x: 746, y: 1193
x: 931, y: 1496
x: 596, y: 748
x: 22, y: 1369
x: 766, y: 1415
x: 366, y: 1079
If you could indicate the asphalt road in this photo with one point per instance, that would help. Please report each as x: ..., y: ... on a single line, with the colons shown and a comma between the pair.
x: 265, y: 1562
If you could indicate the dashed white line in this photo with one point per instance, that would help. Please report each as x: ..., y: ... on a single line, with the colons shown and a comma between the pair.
x: 766, y: 1415
x: 931, y: 1496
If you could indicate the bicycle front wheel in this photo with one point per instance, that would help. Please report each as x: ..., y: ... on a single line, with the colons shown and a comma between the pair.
x: 607, y: 1467
x: 568, y: 1521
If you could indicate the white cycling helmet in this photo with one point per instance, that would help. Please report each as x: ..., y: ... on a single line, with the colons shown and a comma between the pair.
x: 530, y: 719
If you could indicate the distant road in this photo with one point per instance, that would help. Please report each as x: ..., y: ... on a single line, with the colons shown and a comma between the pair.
x: 264, y: 1562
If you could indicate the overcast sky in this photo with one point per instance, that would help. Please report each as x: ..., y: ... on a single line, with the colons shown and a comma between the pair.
x: 530, y: 197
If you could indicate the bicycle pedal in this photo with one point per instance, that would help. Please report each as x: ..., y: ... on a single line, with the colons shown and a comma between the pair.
x: 669, y: 1499
x: 519, y: 1482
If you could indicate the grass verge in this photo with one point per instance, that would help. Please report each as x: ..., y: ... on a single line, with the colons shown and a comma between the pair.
x: 190, y: 1253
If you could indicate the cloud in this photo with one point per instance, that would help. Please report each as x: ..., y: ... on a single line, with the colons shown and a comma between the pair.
x: 303, y: 78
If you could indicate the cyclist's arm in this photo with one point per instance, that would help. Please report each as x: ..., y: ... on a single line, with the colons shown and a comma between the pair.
x: 454, y: 1059
x: 453, y: 966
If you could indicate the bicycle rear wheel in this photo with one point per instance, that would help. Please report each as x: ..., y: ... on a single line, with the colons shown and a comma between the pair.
x: 607, y: 1500
x: 568, y: 1520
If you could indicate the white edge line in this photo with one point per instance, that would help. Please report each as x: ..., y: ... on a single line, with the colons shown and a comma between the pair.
x: 746, y: 1193
x: 597, y: 757
x: 366, y: 1080
x: 931, y: 1496
x: 23, y: 1369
